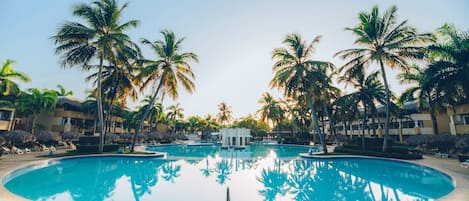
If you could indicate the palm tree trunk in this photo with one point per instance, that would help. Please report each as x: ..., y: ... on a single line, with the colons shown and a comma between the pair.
x: 331, y: 124
x: 433, y: 117
x: 363, y: 125
x: 100, y: 106
x: 373, y: 124
x: 315, y: 122
x: 346, y: 129
x: 145, y: 114
x: 388, y: 104
x: 33, y: 125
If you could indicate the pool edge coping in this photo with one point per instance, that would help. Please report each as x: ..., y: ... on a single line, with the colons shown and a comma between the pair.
x: 12, y: 197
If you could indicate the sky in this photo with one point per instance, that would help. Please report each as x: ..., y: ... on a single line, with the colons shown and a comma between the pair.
x: 233, y: 39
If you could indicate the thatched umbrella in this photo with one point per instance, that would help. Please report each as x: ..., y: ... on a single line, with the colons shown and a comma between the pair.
x: 70, y: 135
x: 46, y: 136
x: 19, y: 136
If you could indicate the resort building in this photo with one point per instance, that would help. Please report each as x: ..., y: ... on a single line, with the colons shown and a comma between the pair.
x: 411, y: 121
x: 69, y: 115
x: 459, y: 119
x: 7, y: 116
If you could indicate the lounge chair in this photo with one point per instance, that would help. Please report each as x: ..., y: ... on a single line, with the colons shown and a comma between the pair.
x: 17, y: 150
x: 465, y: 164
x: 27, y: 150
x: 6, y: 150
x: 44, y: 148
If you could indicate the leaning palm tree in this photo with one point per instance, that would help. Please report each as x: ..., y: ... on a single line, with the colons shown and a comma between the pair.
x: 100, y: 39
x: 385, y: 41
x: 170, y: 70
x: 8, y: 75
x: 299, y: 76
x: 224, y: 115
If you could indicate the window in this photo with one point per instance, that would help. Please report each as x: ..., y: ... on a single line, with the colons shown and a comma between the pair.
x: 465, y: 118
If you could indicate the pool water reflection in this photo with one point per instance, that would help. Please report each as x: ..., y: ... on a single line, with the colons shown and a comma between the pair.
x: 206, y: 178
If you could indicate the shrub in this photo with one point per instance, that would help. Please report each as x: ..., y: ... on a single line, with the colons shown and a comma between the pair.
x: 88, y: 140
x: 94, y: 148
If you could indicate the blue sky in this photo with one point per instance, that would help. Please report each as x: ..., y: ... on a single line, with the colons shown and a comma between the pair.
x: 233, y: 39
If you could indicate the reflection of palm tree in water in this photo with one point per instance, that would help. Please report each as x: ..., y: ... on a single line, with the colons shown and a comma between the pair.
x: 206, y: 171
x: 145, y: 178
x: 170, y: 171
x: 274, y: 181
x: 224, y: 170
x: 300, y: 181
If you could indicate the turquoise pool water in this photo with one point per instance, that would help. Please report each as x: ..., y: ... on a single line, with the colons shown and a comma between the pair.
x: 257, y: 173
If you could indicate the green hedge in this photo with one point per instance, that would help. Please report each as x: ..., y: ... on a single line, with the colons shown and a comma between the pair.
x: 94, y: 148
x: 392, y: 153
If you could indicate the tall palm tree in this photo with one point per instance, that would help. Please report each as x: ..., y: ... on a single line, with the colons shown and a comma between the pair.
x: 40, y: 101
x: 101, y: 39
x: 170, y: 70
x: 298, y: 75
x: 385, y: 41
x: 224, y: 115
x: 450, y: 68
x: 424, y: 91
x: 369, y: 90
x: 8, y: 75
x: 63, y: 92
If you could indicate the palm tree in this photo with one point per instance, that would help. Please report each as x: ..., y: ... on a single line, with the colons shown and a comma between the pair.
x: 224, y: 115
x: 156, y: 110
x: 101, y: 39
x: 385, y: 41
x: 424, y: 91
x: 8, y: 75
x: 175, y: 112
x: 298, y: 75
x: 369, y: 90
x: 63, y: 92
x: 450, y: 68
x: 271, y: 111
x: 40, y: 101
x: 170, y: 70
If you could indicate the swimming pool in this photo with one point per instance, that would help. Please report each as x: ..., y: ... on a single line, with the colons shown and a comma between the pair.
x: 257, y: 173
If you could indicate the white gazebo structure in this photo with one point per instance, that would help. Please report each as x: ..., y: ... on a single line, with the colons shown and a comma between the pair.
x: 235, y: 137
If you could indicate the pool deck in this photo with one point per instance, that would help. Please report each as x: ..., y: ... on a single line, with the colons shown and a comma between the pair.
x: 452, y: 167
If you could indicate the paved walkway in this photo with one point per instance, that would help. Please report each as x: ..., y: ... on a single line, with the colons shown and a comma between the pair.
x: 450, y: 166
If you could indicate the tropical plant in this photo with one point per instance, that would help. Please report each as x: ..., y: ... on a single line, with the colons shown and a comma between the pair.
x: 8, y: 76
x: 424, y: 91
x: 299, y: 76
x: 224, y: 115
x: 369, y: 90
x: 170, y: 70
x: 63, y: 92
x: 271, y: 111
x: 449, y: 69
x: 101, y: 39
x: 385, y: 41
x: 40, y: 101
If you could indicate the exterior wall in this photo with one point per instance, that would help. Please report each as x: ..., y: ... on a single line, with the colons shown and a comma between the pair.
x: 458, y: 123
x: 6, y: 118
